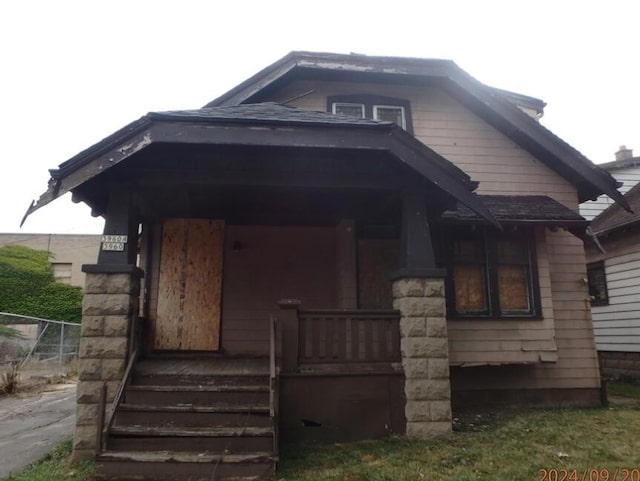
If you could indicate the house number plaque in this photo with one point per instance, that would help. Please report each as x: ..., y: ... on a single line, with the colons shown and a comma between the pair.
x: 114, y: 242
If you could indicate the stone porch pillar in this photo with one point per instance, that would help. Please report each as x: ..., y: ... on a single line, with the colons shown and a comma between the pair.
x: 109, y: 308
x: 425, y: 355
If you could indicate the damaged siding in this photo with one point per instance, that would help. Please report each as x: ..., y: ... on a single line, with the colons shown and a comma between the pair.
x: 475, y: 342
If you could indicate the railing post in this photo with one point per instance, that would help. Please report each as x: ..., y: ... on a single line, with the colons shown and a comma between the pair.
x: 61, y: 343
x: 288, y: 323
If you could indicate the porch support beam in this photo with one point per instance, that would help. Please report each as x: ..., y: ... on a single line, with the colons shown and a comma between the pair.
x: 119, y: 221
x: 416, y: 247
x: 418, y: 293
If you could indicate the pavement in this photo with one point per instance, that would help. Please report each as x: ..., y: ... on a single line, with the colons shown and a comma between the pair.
x: 30, y: 427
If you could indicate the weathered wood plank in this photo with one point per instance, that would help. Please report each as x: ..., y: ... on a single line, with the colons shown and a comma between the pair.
x: 189, y: 285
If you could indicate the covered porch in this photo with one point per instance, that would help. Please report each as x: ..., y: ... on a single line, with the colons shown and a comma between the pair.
x: 268, y: 233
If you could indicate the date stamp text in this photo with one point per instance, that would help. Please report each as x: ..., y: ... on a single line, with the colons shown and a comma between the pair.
x: 590, y: 474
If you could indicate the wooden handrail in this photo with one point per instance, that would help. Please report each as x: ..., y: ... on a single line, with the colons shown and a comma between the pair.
x: 273, y: 382
x: 116, y: 400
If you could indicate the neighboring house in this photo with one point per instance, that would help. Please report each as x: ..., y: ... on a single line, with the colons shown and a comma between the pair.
x: 626, y: 170
x: 412, y: 233
x: 614, y: 284
x: 69, y: 252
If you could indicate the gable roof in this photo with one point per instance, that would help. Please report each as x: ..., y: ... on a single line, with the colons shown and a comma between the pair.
x: 244, y: 125
x: 614, y: 217
x: 493, y: 105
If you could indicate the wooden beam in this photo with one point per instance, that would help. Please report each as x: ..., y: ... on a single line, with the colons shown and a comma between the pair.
x: 120, y: 220
x: 416, y: 248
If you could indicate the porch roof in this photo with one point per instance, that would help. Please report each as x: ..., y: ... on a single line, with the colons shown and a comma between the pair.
x: 261, y: 125
x: 521, y: 209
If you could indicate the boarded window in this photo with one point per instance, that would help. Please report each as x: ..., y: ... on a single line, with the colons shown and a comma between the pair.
x: 491, y: 273
x: 513, y: 275
x: 469, y: 276
x: 597, y: 279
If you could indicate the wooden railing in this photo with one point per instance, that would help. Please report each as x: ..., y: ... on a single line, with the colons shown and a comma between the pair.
x: 106, y: 424
x: 273, y: 381
x: 348, y: 336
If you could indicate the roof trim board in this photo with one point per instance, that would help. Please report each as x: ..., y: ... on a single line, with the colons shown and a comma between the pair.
x: 263, y: 125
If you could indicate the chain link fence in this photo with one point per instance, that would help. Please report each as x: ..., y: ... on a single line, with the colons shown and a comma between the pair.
x: 39, y: 348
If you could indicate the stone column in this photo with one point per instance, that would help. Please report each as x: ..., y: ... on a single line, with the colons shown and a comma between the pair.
x: 109, y: 308
x: 425, y: 355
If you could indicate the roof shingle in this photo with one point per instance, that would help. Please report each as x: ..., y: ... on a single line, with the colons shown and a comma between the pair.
x: 519, y: 208
x: 615, y: 217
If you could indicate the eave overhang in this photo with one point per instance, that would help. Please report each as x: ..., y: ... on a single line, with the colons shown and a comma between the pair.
x: 614, y: 219
x: 263, y: 125
x: 522, y: 210
x: 488, y: 103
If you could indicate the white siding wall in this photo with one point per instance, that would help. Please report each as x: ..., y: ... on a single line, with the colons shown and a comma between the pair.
x: 629, y: 177
x: 617, y: 325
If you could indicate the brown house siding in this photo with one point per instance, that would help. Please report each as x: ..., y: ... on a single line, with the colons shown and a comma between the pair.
x: 269, y: 264
x: 501, y: 167
x: 449, y: 128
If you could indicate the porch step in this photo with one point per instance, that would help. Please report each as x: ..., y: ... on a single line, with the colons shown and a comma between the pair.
x: 197, y: 394
x: 200, y: 379
x: 178, y: 432
x: 186, y: 416
x: 191, y: 419
x: 229, y: 444
x: 193, y: 466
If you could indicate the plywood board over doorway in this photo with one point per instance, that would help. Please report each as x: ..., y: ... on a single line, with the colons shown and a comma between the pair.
x: 190, y: 285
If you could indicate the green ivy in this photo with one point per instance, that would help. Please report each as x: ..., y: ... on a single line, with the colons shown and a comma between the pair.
x: 27, y: 286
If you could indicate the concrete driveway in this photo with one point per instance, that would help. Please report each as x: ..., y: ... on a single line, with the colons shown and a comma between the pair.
x: 30, y: 427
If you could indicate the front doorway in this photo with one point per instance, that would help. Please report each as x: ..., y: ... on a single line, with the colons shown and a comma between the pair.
x: 189, y: 285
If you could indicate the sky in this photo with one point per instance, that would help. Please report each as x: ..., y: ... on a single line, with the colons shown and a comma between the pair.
x: 73, y: 72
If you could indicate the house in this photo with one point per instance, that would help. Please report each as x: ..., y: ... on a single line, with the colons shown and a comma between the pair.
x: 612, y: 273
x: 68, y: 252
x: 626, y: 170
x: 614, y: 285
x: 340, y: 247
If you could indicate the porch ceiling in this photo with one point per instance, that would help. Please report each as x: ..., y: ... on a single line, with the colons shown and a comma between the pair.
x: 251, y: 127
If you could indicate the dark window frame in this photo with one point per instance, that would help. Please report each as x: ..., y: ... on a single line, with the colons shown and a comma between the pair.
x: 597, y: 270
x: 489, y: 239
x: 371, y: 100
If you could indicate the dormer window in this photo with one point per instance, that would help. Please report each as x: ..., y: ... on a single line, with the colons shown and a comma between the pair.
x: 350, y: 110
x: 390, y: 113
x: 372, y: 107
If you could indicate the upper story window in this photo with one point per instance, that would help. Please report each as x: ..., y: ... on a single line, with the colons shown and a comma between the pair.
x: 373, y: 107
x: 597, y: 279
x: 491, y: 274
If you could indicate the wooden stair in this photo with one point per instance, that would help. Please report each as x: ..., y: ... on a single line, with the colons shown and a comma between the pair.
x: 192, y: 420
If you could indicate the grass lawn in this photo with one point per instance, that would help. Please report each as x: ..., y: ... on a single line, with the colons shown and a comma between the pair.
x: 508, y: 446
x: 56, y: 466
x: 492, y: 446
